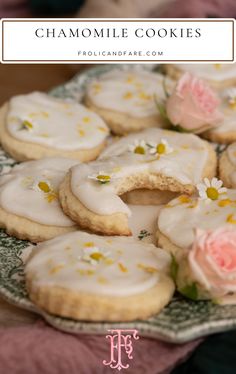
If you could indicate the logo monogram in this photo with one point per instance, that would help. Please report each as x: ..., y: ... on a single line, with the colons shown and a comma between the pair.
x: 120, y: 342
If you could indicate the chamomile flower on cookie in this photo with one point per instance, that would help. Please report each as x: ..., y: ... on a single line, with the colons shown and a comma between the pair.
x: 102, y: 177
x: 45, y: 187
x: 41, y: 186
x: 138, y: 147
x: 93, y: 254
x: 160, y: 148
x: 38, y: 125
x: 211, y: 189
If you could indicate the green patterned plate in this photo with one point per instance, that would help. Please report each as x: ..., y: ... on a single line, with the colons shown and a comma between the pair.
x: 181, y: 321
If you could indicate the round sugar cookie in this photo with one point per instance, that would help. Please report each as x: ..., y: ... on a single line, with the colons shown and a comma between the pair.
x: 154, y: 159
x: 126, y: 100
x: 218, y: 75
x: 29, y: 205
x: 180, y: 218
x: 99, y: 279
x: 227, y: 166
x: 225, y: 132
x: 37, y: 125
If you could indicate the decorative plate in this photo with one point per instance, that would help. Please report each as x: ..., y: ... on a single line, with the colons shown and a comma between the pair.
x: 181, y: 321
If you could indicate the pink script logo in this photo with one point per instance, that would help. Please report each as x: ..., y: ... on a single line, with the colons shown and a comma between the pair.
x: 120, y: 342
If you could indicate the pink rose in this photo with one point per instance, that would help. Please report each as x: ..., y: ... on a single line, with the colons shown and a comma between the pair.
x: 212, y: 261
x: 193, y: 105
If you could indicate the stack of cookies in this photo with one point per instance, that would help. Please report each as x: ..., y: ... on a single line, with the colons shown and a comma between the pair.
x: 138, y: 139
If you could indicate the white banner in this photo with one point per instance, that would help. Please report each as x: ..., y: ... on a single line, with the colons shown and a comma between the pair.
x: 117, y: 40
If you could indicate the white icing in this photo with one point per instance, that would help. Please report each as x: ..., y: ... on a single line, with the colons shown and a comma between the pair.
x: 185, y: 164
x: 231, y: 152
x: 128, y: 267
x: 178, y: 220
x: 214, y: 72
x: 131, y: 93
x: 228, y: 110
x: 55, y: 122
x: 143, y: 222
x: 20, y: 195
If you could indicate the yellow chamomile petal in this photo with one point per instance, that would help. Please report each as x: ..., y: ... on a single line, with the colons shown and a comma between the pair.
x: 122, y: 268
x: 139, y: 147
x: 43, y: 186
x: 231, y: 219
x: 101, y: 177
x: 89, y: 244
x: 128, y: 95
x: 86, y: 119
x: 139, y: 150
x: 161, y: 148
x: 27, y: 125
x: 104, y: 178
x: 50, y: 197
x: 212, y: 193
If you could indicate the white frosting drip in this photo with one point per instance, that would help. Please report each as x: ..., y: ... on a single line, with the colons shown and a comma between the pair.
x: 231, y: 152
x: 20, y: 195
x: 214, y: 72
x: 185, y: 164
x: 131, y: 93
x: 128, y: 267
x: 179, y: 219
x: 54, y: 123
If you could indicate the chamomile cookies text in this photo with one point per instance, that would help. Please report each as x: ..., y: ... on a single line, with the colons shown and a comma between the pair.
x: 99, y: 278
x: 37, y: 125
x: 29, y: 205
x: 126, y: 99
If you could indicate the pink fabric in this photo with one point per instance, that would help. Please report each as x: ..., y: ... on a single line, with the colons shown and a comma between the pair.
x: 14, y: 8
x: 199, y: 8
x: 40, y: 349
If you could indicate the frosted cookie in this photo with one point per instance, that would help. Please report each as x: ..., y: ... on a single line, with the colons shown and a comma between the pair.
x: 227, y: 166
x: 178, y: 221
x: 226, y: 131
x: 99, y: 279
x: 29, y: 206
x: 219, y: 75
x: 126, y: 100
x: 37, y: 125
x: 90, y: 193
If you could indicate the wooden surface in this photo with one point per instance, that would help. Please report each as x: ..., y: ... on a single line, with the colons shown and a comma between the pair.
x: 17, y: 79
